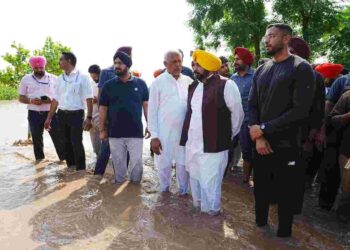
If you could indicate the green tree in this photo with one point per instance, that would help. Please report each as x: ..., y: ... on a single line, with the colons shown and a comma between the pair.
x: 18, y: 65
x: 339, y: 42
x: 18, y: 61
x: 234, y: 22
x: 314, y: 20
x: 52, y: 52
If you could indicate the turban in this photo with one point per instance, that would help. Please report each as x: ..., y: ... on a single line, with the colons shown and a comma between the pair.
x: 37, y: 61
x: 329, y: 70
x: 299, y: 47
x: 244, y: 55
x: 158, y: 72
x: 126, y: 49
x: 136, y: 73
x: 125, y: 58
x: 206, y: 60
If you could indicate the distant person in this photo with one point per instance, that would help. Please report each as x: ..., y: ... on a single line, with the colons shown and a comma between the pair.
x: 186, y: 70
x: 121, y: 103
x: 243, y: 77
x: 166, y: 114
x: 225, y: 67
x: 312, y: 150
x: 330, y: 138
x: 72, y: 96
x: 339, y: 119
x: 37, y: 90
x: 94, y: 71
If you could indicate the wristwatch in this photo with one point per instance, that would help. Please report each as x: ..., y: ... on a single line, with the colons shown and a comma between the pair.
x: 262, y: 126
x: 89, y: 117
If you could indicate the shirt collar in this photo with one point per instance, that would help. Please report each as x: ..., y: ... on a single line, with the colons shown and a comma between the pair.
x: 74, y: 72
x: 250, y: 72
x: 130, y: 79
x: 171, y: 76
x: 44, y: 76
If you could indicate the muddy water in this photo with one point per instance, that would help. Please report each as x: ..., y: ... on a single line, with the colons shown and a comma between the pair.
x: 46, y: 206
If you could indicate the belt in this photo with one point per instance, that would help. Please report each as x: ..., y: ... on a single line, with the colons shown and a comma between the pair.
x: 71, y: 111
x: 39, y: 112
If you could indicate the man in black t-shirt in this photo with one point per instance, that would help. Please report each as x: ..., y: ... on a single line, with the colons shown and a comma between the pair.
x: 121, y: 103
x: 279, y: 102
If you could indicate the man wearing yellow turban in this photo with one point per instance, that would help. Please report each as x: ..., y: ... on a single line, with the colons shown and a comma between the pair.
x: 214, y: 116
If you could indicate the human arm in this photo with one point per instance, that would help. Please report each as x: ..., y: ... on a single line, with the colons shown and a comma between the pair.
x: 234, y: 104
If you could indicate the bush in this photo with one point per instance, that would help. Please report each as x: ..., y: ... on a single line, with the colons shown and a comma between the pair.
x: 7, y: 92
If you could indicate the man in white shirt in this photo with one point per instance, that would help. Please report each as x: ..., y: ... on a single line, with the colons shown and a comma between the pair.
x: 73, y: 93
x: 94, y: 71
x: 36, y: 90
x: 166, y: 113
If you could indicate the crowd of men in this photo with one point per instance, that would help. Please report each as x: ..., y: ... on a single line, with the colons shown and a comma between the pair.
x: 289, y: 119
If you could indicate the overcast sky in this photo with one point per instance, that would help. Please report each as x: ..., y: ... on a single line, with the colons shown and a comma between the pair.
x: 95, y: 29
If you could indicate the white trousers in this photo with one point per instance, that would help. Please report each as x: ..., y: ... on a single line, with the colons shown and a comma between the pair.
x: 182, y: 177
x: 206, y: 189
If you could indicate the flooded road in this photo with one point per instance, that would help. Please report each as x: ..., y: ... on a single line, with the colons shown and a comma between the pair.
x: 47, y: 206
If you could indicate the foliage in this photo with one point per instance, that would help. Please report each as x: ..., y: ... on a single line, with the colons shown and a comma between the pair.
x: 18, y: 61
x: 313, y: 20
x: 12, y: 75
x: 237, y: 23
x: 52, y: 52
x: 7, y: 92
x: 339, y: 41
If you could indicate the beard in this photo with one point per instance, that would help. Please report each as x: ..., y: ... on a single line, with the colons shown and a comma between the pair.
x: 239, y: 67
x: 121, y: 73
x: 199, y: 76
x: 275, y: 50
x: 39, y: 73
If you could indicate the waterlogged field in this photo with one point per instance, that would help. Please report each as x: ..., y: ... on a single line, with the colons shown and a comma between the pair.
x: 47, y: 206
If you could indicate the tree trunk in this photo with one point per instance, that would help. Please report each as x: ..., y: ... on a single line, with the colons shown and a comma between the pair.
x: 257, y: 48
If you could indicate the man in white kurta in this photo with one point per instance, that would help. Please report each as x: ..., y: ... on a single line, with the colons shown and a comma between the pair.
x: 207, y: 169
x: 166, y: 113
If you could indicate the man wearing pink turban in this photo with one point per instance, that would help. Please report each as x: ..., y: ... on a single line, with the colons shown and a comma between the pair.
x: 36, y: 90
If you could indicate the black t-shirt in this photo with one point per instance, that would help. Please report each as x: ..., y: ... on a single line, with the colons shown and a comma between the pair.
x: 281, y: 98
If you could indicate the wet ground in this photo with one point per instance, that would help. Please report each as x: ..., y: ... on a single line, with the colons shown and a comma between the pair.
x: 46, y: 206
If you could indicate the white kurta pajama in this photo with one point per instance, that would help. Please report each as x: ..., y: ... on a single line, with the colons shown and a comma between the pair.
x: 207, y: 169
x: 166, y: 113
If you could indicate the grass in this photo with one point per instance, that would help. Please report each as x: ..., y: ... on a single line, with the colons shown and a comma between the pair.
x: 7, y: 93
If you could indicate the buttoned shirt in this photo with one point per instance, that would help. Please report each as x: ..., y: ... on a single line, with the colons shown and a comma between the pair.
x: 33, y: 87
x: 72, y: 91
x: 244, y: 84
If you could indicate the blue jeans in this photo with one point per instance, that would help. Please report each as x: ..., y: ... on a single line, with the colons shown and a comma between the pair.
x: 103, y: 157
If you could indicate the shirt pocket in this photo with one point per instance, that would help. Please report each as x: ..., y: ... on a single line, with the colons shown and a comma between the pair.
x: 74, y: 89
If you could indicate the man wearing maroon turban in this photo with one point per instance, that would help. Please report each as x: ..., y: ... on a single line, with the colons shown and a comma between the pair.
x: 36, y: 90
x: 243, y: 77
